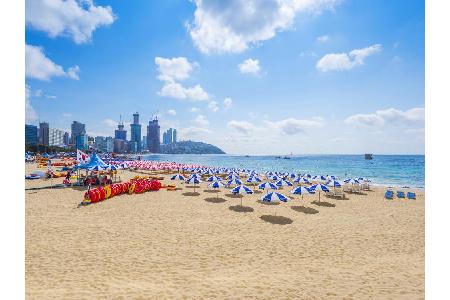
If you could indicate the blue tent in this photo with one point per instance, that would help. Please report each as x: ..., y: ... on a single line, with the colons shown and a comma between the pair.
x: 94, y: 162
x: 45, y: 155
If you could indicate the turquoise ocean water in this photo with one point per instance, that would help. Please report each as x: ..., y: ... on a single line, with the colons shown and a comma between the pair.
x: 396, y: 170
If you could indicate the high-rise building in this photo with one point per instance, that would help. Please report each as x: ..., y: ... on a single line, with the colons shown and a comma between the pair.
x: 169, y: 136
x: 31, y: 135
x: 144, y: 142
x: 81, y: 142
x: 109, y: 144
x: 120, y: 133
x: 153, y: 136
x: 56, y: 137
x: 136, y: 132
x: 100, y: 143
x: 77, y: 128
x: 119, y: 146
x: 44, y: 131
x: 66, y: 138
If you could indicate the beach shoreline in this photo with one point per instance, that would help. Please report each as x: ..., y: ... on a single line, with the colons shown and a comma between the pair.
x: 168, y: 244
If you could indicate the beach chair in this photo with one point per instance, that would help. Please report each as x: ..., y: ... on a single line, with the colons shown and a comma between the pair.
x: 411, y: 195
x: 347, y: 188
x: 389, y: 195
x: 400, y: 194
x: 339, y: 193
x: 366, y: 186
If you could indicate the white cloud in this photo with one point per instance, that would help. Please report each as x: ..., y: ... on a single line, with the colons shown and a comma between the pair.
x: 73, y: 72
x: 227, y: 103
x: 212, y: 105
x: 38, y: 66
x: 171, y: 69
x: 250, y: 66
x: 172, y: 112
x: 344, y: 61
x: 193, y: 132
x: 194, y: 110
x: 52, y: 97
x: 201, y: 121
x: 388, y: 116
x: 232, y: 26
x: 322, y: 39
x: 178, y: 91
x: 66, y: 115
x: 243, y: 127
x: 74, y: 19
x: 293, y: 126
x: 110, y: 122
x: 31, y: 115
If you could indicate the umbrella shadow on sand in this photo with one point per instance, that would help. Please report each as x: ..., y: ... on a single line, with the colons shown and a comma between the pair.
x: 210, y: 191
x: 241, y: 208
x: 257, y: 192
x: 190, y: 194
x: 268, y: 203
x: 279, y: 220
x: 323, y: 203
x: 305, y: 210
x: 234, y: 195
x: 215, y: 200
x: 337, y: 197
x: 192, y: 186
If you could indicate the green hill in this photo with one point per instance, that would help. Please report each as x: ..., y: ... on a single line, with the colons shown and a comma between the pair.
x: 190, y: 147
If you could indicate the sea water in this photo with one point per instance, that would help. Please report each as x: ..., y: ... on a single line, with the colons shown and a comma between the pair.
x: 386, y: 170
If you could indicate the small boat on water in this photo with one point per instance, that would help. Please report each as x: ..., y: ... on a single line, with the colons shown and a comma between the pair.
x: 368, y: 156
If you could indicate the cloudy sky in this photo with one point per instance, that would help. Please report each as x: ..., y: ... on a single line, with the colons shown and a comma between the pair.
x: 252, y: 77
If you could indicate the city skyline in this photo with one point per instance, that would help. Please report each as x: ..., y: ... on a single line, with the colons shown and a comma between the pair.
x: 325, y: 78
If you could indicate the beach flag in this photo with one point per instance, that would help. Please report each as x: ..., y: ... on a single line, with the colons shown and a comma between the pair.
x: 82, y: 158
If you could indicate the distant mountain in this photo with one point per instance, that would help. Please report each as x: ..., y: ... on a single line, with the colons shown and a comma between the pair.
x: 190, y: 147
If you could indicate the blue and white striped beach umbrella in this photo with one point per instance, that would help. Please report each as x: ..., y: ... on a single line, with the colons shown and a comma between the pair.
x: 302, y: 180
x: 352, y: 181
x: 267, y: 185
x: 241, y: 189
x: 195, y: 175
x: 213, y: 178
x: 253, y: 179
x: 194, y: 181
x: 274, y: 197
x: 301, y: 190
x: 319, y: 187
x: 334, y: 183
x: 177, y: 177
x: 283, y: 182
x: 216, y: 185
x: 274, y: 177
x: 235, y: 181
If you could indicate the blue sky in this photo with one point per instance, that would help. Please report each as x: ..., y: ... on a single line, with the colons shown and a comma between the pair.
x: 298, y: 76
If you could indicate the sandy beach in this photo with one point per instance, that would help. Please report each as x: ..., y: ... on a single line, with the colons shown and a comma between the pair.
x: 167, y: 244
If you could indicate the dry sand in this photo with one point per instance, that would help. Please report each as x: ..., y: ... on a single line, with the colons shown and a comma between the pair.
x: 160, y: 245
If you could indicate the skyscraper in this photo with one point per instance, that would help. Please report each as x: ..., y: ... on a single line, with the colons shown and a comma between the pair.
x: 44, y: 131
x: 31, y: 135
x: 56, y: 137
x: 174, y: 136
x: 77, y: 128
x: 81, y: 142
x: 66, y: 139
x: 136, y: 131
x: 169, y: 136
x: 153, y: 136
x: 120, y: 133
